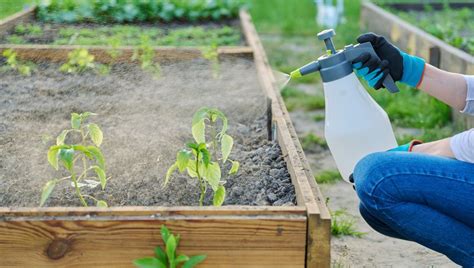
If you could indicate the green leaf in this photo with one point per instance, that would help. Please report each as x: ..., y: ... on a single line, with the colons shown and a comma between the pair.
x: 212, y: 174
x: 97, y: 155
x: 161, y: 255
x: 183, y: 157
x: 182, y: 258
x: 53, y: 156
x: 149, y: 262
x: 165, y: 233
x: 47, y: 189
x: 192, y: 168
x: 96, y: 134
x: 198, y: 131
x: 75, y: 120
x: 234, y: 168
x: 226, y: 146
x: 101, y: 204
x: 171, y: 248
x: 83, y: 149
x: 200, y: 115
x: 86, y: 115
x: 206, y: 156
x: 66, y: 156
x: 170, y: 172
x: 194, y: 260
x: 219, y: 196
x: 101, y: 175
x: 60, y: 139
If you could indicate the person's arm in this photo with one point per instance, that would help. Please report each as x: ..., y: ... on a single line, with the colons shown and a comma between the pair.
x: 447, y: 87
x: 440, y: 148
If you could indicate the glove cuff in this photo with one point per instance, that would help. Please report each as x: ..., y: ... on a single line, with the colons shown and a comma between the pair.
x: 413, y: 69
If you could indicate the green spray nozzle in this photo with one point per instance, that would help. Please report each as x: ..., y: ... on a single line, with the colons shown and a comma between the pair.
x: 311, y: 67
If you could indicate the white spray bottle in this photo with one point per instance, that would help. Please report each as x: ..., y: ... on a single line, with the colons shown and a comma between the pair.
x: 355, y: 124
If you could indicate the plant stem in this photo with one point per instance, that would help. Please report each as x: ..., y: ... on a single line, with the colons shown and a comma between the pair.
x: 78, y: 191
x: 203, y: 190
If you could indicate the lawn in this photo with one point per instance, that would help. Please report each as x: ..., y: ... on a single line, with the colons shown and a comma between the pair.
x: 8, y: 7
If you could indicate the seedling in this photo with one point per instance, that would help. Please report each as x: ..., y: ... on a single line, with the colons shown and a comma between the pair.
x: 86, y: 150
x: 79, y: 60
x: 12, y: 63
x: 310, y: 140
x: 145, y: 54
x: 197, y: 158
x: 168, y: 257
x: 343, y: 224
x: 211, y: 54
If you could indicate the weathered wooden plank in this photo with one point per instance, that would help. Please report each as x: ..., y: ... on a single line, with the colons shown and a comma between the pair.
x: 54, y: 53
x: 149, y: 211
x: 9, y: 23
x: 319, y: 220
x: 277, y: 241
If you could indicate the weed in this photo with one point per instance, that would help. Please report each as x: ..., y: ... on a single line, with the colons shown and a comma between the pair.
x: 145, y: 54
x: 297, y: 99
x: 15, y: 39
x: 328, y: 176
x: 79, y: 60
x: 343, y: 224
x: 311, y: 139
x: 319, y: 117
x: 168, y: 257
x: 210, y: 53
x: 12, y: 63
x: 86, y: 150
x: 197, y: 158
x: 23, y: 29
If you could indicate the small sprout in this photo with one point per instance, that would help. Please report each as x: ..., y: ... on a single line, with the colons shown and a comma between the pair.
x: 145, y: 54
x: 211, y: 54
x: 201, y: 159
x: 169, y: 257
x: 319, y: 117
x: 86, y: 150
x: 310, y: 140
x: 12, y: 63
x: 79, y: 60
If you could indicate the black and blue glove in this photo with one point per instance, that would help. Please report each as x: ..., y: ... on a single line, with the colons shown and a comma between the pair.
x: 402, y: 67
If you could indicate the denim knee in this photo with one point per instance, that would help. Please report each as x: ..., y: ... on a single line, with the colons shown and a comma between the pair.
x: 369, y: 172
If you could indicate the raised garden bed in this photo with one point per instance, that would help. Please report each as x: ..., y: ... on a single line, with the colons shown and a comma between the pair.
x: 418, y: 41
x: 137, y: 110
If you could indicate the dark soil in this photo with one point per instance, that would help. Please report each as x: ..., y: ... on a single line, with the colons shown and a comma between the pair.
x: 145, y: 122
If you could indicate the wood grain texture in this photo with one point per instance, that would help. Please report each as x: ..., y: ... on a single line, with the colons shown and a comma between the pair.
x: 319, y: 220
x: 238, y: 241
x: 54, y: 53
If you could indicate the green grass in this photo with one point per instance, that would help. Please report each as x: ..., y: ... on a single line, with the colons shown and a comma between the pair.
x: 310, y: 140
x: 413, y: 108
x: 9, y: 7
x: 429, y: 134
x: 297, y: 99
x: 319, y: 117
x: 328, y: 177
x: 343, y: 224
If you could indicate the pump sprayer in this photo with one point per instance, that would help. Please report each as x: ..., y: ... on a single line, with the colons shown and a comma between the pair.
x: 355, y: 124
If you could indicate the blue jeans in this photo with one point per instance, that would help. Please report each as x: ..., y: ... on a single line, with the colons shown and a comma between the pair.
x: 420, y: 198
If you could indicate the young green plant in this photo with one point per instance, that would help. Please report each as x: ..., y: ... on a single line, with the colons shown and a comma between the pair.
x: 211, y: 54
x: 12, y: 63
x: 92, y: 171
x: 145, y: 54
x: 169, y: 258
x: 201, y: 159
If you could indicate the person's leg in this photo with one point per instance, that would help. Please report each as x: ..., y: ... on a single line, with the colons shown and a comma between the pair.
x: 377, y: 224
x: 426, y: 199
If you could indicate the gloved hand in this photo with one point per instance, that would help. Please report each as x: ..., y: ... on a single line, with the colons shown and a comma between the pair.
x: 401, y: 66
x: 406, y: 147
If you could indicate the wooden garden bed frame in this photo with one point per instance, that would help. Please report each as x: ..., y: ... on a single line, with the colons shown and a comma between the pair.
x: 418, y: 42
x: 231, y: 236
